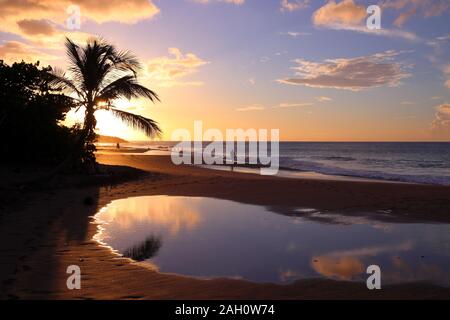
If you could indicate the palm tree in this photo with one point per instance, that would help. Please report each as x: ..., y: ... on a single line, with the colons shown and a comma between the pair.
x: 98, y: 75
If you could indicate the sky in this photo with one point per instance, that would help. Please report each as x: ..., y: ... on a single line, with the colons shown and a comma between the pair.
x: 312, y: 69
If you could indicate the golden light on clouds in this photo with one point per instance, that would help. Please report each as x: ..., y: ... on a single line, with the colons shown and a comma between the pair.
x: 170, y: 71
x: 341, y: 13
x: 441, y: 123
x: 342, y: 268
x: 348, y: 15
x: 171, y: 213
x: 346, y: 265
x: 14, y: 51
x: 49, y: 14
x: 42, y: 23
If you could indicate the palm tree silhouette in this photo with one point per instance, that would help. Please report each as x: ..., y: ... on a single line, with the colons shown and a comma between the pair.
x: 98, y: 75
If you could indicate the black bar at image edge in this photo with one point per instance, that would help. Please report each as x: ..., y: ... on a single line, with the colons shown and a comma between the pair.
x: 228, y: 309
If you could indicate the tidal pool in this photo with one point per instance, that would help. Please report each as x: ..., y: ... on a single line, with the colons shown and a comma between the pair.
x: 208, y: 238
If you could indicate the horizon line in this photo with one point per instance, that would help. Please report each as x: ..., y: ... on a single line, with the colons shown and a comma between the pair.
x: 307, y: 141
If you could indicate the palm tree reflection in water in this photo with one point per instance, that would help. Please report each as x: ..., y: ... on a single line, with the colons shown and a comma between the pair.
x: 144, y: 250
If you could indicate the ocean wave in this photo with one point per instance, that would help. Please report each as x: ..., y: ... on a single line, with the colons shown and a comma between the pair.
x: 336, y: 158
x: 301, y: 165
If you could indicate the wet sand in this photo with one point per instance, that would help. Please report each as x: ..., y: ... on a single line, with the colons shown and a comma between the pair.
x: 52, y: 229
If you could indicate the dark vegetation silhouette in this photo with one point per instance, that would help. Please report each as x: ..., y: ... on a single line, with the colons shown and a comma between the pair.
x: 34, y: 101
x: 30, y: 113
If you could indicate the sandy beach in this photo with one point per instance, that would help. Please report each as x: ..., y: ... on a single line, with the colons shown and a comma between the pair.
x: 53, y: 228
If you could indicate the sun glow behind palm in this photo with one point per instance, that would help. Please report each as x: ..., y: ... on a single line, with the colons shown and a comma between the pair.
x: 109, y: 125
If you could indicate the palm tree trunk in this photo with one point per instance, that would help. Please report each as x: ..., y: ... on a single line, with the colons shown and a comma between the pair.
x: 87, y: 136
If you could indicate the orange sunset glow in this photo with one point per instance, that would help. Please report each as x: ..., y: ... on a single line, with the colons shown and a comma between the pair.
x: 228, y: 78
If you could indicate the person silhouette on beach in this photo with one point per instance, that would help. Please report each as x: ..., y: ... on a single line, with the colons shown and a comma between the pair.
x: 233, y: 157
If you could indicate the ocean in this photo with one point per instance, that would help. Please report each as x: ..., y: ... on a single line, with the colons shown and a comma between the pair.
x: 414, y: 162
x: 406, y: 162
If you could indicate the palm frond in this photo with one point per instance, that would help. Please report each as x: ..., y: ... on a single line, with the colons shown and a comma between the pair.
x: 121, y: 60
x: 126, y: 87
x: 61, y: 82
x: 126, y: 61
x: 115, y: 64
x: 76, y: 56
x: 73, y: 52
x: 148, y: 126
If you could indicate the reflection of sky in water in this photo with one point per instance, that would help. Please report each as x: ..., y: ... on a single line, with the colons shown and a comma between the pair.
x: 216, y: 238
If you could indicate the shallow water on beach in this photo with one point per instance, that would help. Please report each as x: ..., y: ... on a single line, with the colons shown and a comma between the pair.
x: 206, y: 237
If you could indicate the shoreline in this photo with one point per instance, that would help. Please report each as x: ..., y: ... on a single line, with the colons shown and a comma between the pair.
x: 283, y: 171
x: 54, y: 230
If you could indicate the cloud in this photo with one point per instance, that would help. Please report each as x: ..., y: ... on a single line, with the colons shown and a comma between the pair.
x: 236, y: 2
x: 446, y: 71
x: 323, y: 99
x: 343, y: 268
x: 36, y: 27
x: 441, y: 123
x: 411, y: 8
x: 16, y: 51
x: 38, y: 39
x: 100, y: 11
x: 347, y: 265
x: 347, y: 15
x: 439, y: 56
x: 130, y: 11
x: 253, y: 107
x: 168, y: 71
x: 284, y: 105
x: 351, y: 74
x: 43, y: 22
x: 293, y: 5
x: 278, y: 54
x: 289, y: 275
x: 295, y: 34
x: 444, y: 38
